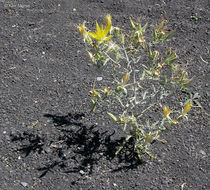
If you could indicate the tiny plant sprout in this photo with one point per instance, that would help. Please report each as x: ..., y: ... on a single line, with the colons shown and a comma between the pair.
x: 143, y: 79
x: 196, y: 17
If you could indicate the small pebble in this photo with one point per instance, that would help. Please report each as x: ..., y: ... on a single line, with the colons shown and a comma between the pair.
x: 82, y: 172
x: 24, y: 184
x: 202, y: 152
x: 196, y: 178
x: 31, y: 23
x: 164, y: 181
x: 48, y: 149
x: 99, y: 78
x: 115, y: 184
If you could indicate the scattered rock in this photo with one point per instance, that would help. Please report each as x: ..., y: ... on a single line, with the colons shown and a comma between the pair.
x: 99, y: 78
x: 82, y: 172
x: 115, y: 184
x: 31, y: 23
x: 202, y: 152
x: 24, y: 184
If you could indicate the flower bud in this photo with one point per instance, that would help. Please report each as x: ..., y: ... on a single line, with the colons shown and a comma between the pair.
x: 157, y: 72
x: 108, y: 20
x: 82, y: 29
x: 106, y: 90
x: 125, y: 78
x: 187, y: 108
x: 148, y: 138
x: 166, y: 111
x: 155, y: 56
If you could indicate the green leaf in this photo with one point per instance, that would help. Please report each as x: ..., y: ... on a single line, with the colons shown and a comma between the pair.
x: 144, y: 95
x: 154, y: 124
x: 197, y: 103
x: 144, y: 28
x: 122, y: 38
x: 94, y: 104
x: 132, y: 24
x: 188, y: 100
x: 160, y: 36
x: 112, y: 116
x: 142, y: 76
x: 165, y: 81
x: 186, y: 84
x: 160, y: 26
x: 139, y: 154
x: 169, y: 35
x: 149, y: 72
x: 154, y: 35
x: 171, y: 59
x: 120, y: 101
x: 118, y: 89
x: 196, y: 95
x: 150, y: 52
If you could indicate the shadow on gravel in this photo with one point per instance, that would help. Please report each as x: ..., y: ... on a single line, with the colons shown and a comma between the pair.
x: 76, y: 148
x: 34, y: 142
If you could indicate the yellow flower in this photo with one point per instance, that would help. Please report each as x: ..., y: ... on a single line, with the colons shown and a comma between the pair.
x: 122, y: 119
x: 82, y: 29
x: 95, y: 93
x: 106, y: 90
x: 162, y: 32
x: 101, y: 34
x: 133, y: 118
x: 148, y: 138
x: 187, y: 108
x: 166, y: 111
x: 157, y: 72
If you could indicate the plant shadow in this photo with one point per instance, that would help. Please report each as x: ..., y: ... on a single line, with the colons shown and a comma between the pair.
x: 77, y: 147
x: 30, y: 143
